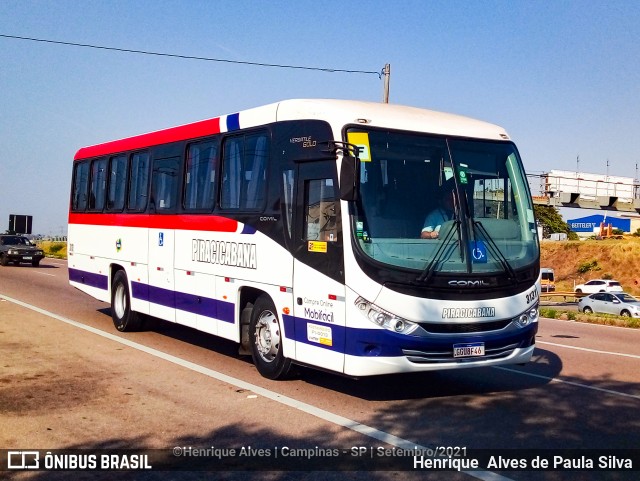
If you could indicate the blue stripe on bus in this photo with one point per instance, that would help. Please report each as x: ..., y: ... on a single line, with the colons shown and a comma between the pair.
x: 384, y: 343
x: 204, y: 306
x: 233, y: 122
x: 248, y: 229
x: 99, y: 281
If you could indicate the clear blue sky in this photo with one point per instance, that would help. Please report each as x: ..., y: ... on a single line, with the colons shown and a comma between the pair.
x: 563, y: 77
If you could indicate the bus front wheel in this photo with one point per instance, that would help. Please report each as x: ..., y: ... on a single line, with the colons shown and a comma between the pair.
x: 265, y: 333
x: 123, y: 317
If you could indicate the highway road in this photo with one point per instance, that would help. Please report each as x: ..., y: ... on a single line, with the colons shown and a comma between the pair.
x: 69, y: 380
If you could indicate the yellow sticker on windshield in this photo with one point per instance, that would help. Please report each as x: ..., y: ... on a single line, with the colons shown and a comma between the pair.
x: 317, y: 246
x: 361, y: 139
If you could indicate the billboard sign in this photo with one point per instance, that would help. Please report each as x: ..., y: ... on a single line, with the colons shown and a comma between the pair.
x: 589, y: 223
x: 20, y: 224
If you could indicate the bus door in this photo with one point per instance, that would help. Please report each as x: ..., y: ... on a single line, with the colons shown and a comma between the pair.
x: 161, y: 278
x: 318, y: 272
x: 164, y: 200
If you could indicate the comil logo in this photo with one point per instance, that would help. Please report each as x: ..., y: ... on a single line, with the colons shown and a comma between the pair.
x: 23, y: 460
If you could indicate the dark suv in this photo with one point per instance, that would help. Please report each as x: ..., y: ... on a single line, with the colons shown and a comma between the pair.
x: 17, y: 249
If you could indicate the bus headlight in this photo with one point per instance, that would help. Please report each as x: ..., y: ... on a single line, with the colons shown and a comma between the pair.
x: 385, y: 319
x: 528, y: 317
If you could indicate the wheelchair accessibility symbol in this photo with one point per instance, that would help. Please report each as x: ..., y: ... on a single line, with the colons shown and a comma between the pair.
x: 478, y: 252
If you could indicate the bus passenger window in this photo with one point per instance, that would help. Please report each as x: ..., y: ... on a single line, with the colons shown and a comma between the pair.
x: 80, y: 184
x: 117, y: 183
x: 97, y: 187
x: 164, y: 188
x: 200, y: 176
x: 288, y: 182
x: 244, y: 167
x: 320, y: 221
x: 138, y: 182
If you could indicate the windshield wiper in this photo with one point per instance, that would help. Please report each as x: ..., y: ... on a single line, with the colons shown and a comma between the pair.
x: 495, y: 249
x: 427, y: 273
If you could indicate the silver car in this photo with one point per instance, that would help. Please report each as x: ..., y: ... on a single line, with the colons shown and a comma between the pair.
x: 617, y: 303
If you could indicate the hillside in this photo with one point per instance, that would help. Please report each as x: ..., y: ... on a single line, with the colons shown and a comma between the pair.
x: 615, y: 259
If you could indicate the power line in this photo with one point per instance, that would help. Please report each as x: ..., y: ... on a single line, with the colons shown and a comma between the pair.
x: 191, y: 57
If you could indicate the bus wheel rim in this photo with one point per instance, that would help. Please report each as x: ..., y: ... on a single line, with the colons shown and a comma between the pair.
x: 267, y: 335
x: 119, y: 301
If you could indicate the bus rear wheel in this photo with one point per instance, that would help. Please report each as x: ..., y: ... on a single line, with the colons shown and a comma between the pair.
x: 265, y: 333
x: 123, y: 317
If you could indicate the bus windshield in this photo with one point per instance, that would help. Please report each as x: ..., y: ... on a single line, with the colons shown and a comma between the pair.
x: 440, y: 204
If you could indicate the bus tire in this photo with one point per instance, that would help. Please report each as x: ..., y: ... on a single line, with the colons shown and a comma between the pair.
x: 124, y: 319
x: 265, y: 336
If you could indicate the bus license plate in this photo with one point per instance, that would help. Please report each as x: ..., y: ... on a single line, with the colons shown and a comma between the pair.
x: 468, y: 350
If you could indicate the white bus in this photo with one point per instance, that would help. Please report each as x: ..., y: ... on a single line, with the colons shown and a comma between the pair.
x: 295, y: 230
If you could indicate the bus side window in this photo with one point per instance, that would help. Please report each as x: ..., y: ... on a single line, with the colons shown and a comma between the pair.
x: 287, y: 184
x: 164, y: 184
x: 138, y: 182
x: 200, y: 176
x: 80, y: 184
x: 244, y: 167
x: 320, y: 220
x: 117, y: 183
x: 98, y: 184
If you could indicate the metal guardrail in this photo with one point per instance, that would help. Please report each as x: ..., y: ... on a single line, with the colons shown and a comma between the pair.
x: 564, y: 295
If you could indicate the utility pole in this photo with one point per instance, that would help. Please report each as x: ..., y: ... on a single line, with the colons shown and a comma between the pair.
x: 386, y: 73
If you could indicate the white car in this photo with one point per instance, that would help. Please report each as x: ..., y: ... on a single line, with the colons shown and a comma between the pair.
x: 599, y: 285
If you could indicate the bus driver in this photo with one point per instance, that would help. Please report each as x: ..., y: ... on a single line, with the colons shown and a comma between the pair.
x: 442, y: 213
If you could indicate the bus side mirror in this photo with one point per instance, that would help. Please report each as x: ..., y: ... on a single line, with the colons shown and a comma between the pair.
x: 349, y: 174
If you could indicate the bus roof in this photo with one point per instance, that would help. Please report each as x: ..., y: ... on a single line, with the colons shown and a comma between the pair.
x: 337, y: 112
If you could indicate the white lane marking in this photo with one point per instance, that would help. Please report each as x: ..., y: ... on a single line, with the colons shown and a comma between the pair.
x: 294, y: 403
x: 571, y: 383
x: 45, y: 274
x: 635, y: 356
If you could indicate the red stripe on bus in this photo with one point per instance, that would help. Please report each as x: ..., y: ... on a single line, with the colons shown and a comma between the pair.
x: 174, y: 134
x: 180, y: 222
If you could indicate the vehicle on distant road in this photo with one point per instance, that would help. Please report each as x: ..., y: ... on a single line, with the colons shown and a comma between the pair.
x: 547, y: 279
x: 17, y: 249
x: 618, y: 303
x: 599, y: 285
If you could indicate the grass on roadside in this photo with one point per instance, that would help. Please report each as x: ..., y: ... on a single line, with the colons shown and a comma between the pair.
x: 54, y: 249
